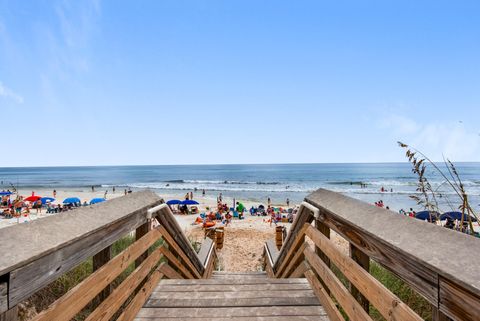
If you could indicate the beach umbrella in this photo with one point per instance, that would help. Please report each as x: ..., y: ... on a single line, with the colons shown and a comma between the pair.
x: 174, y: 202
x: 189, y: 202
x: 425, y: 215
x: 97, y: 200
x: 456, y: 216
x: 46, y: 200
x: 32, y: 198
x: 3, y: 193
x: 71, y: 200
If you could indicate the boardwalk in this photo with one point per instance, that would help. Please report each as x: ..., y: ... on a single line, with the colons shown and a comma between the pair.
x: 233, y: 296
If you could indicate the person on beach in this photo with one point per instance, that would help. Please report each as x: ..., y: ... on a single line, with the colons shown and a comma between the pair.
x: 105, y: 195
x: 269, y: 201
x: 125, y: 191
x: 38, y: 207
x: 203, y: 192
x: 54, y: 193
x: 240, y: 209
x: 288, y: 202
x: 220, y: 197
x: 113, y: 190
x: 191, y: 195
x: 93, y: 189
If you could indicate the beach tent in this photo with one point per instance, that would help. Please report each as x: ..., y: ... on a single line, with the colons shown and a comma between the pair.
x: 425, y: 215
x: 32, y: 198
x: 4, y: 193
x: 174, y: 202
x: 46, y: 200
x: 189, y: 202
x: 456, y: 216
x: 71, y: 200
x: 97, y: 200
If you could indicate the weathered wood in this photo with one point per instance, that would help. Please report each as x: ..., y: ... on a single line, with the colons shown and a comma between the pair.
x: 139, y: 232
x: 166, y: 219
x: 272, y: 250
x: 172, y: 260
x: 398, y: 243
x: 300, y: 270
x: 230, y: 312
x: 99, y: 260
x: 387, y: 303
x: 136, y: 304
x: 294, y: 245
x: 263, y: 318
x: 205, y: 250
x: 209, y: 295
x: 235, y: 281
x: 364, y: 261
x: 59, y: 243
x: 351, y: 307
x: 458, y: 303
x: 4, y: 293
x: 169, y: 272
x: 255, y: 302
x: 74, y: 300
x: 324, y: 297
x: 10, y: 315
x: 210, y: 263
x: 303, y: 216
x: 325, y: 230
x: 437, y: 315
x: 112, y: 304
x: 186, y: 259
x: 294, y: 262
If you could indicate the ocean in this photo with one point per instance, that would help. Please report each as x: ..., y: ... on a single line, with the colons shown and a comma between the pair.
x: 252, y: 182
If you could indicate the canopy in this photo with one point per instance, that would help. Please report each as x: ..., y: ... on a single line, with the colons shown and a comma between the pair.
x: 456, y: 216
x: 174, y: 202
x: 425, y: 215
x: 46, y: 200
x: 71, y: 200
x: 3, y: 193
x: 97, y: 200
x: 189, y: 202
x: 32, y: 198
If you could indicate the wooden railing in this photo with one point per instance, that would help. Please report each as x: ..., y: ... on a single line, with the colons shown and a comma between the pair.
x: 437, y: 263
x: 161, y: 250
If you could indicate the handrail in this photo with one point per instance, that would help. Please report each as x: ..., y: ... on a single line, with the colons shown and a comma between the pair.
x: 173, y: 258
x: 445, y: 274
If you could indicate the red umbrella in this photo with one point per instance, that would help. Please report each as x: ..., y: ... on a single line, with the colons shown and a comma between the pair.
x: 32, y: 198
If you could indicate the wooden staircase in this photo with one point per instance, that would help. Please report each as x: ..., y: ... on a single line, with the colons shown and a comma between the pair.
x: 233, y: 296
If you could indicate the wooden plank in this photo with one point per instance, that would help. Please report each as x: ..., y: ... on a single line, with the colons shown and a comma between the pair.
x: 137, y: 302
x: 268, y: 318
x: 233, y: 312
x: 210, y: 264
x: 10, y: 315
x: 351, y: 307
x: 363, y: 261
x: 300, y: 270
x: 324, y: 298
x: 230, y: 288
x: 112, y: 304
x: 173, y: 244
x: 387, y: 303
x: 60, y: 242
x: 303, y: 216
x: 234, y: 281
x: 139, y: 232
x: 99, y: 260
x: 74, y: 300
x: 458, y: 303
x: 294, y: 245
x: 256, y: 302
x: 169, y: 272
x: 398, y: 243
x: 232, y: 294
x: 172, y: 260
x: 166, y: 219
x: 4, y: 294
x: 294, y: 262
x: 204, y: 250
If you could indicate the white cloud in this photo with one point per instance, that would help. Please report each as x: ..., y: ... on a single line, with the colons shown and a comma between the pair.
x: 10, y: 94
x: 452, y: 139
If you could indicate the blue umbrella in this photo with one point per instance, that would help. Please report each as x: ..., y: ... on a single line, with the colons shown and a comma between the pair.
x: 174, y: 202
x: 456, y: 216
x: 71, y: 200
x: 97, y: 200
x: 425, y: 215
x: 45, y: 200
x: 3, y: 193
x: 189, y: 202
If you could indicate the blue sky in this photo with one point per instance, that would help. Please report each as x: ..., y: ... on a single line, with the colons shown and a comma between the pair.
x: 198, y: 82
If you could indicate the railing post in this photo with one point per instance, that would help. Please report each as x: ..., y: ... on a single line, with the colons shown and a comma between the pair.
x: 279, y: 236
x: 100, y: 259
x: 325, y: 230
x: 364, y: 261
x: 139, y: 232
x: 10, y: 315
